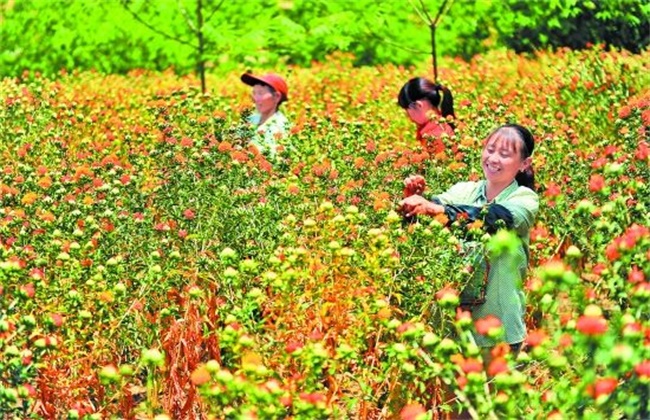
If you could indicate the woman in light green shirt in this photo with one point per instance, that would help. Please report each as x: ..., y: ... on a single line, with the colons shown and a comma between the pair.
x: 505, y: 198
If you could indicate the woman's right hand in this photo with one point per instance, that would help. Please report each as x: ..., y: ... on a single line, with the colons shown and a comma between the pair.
x: 416, y: 204
x: 414, y: 185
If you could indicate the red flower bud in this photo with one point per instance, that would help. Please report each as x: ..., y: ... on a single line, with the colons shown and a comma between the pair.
x: 635, y: 275
x: 498, y: 365
x: 292, y: 346
x: 490, y: 325
x: 596, y: 183
x: 447, y: 297
x: 471, y: 365
x: 56, y: 320
x: 412, y: 412
x: 535, y: 338
x: 591, y: 325
x: 643, y: 370
x: 313, y: 397
x: 604, y: 386
x: 28, y: 290
x: 189, y: 214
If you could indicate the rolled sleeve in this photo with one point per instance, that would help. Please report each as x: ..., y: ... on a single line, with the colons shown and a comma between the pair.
x: 523, y: 204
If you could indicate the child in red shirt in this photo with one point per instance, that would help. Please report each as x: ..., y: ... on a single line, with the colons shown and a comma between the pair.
x: 426, y: 103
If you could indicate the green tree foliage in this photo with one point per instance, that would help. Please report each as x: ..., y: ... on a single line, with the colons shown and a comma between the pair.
x: 375, y: 32
x: 115, y: 36
x: 529, y: 25
x: 47, y: 35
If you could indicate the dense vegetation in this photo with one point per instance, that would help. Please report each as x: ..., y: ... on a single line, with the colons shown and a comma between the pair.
x: 116, y: 36
x: 149, y: 265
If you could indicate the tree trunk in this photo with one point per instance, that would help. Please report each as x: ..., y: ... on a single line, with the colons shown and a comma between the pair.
x: 433, y: 52
x: 199, y: 34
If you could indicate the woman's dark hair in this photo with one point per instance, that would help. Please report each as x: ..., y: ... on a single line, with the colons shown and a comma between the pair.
x: 420, y: 88
x: 525, y: 178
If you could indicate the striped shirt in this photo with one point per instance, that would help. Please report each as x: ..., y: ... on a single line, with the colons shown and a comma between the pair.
x: 504, y: 297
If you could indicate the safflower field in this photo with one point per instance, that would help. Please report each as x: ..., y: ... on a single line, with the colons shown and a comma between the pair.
x: 152, y: 266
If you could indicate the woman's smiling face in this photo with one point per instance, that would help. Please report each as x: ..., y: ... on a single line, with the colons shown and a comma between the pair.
x: 502, y: 156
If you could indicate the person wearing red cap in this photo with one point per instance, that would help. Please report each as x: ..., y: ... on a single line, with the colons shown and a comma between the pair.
x: 269, y: 92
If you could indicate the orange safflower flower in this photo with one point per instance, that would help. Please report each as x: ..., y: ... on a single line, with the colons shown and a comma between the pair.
x: 106, y: 296
x: 18, y: 213
x: 442, y: 219
x: 224, y: 146
x: 382, y: 201
x: 29, y: 198
x: 47, y: 216
x: 456, y: 166
x: 412, y: 412
x: 552, y: 190
x: 596, y: 183
x: 200, y: 376
x: 111, y: 159
x: 264, y: 165
x: 475, y: 225
x: 45, y: 182
x: 643, y: 151
x: 239, y: 156
x: 82, y: 171
x: 645, y: 117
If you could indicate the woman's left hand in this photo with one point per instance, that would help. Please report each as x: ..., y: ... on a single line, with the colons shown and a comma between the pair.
x: 416, y: 204
x: 414, y: 185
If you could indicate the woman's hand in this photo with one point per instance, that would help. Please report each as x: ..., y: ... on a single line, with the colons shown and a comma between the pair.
x: 414, y: 185
x: 416, y: 204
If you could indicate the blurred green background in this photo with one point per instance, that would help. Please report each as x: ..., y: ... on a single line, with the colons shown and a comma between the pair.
x: 115, y: 36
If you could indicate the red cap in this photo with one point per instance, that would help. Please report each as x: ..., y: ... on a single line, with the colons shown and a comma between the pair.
x: 271, y: 79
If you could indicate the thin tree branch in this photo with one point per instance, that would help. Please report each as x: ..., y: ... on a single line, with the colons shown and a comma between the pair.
x: 396, y: 44
x: 442, y: 10
x: 214, y: 11
x: 188, y: 21
x: 426, y: 12
x: 424, y: 19
x: 393, y: 43
x: 201, y: 50
x: 124, y: 4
